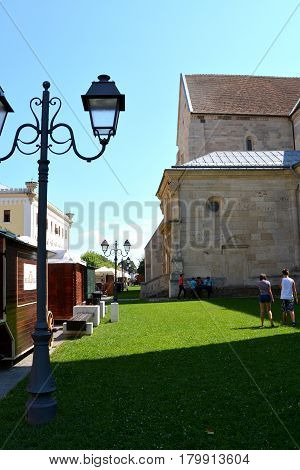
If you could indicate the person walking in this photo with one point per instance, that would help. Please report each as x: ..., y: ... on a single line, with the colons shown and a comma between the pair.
x: 288, y: 297
x: 199, y: 286
x: 181, y: 286
x: 265, y: 299
x: 193, y: 286
x: 208, y: 284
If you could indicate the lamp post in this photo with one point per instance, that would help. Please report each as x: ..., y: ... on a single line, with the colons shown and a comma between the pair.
x: 104, y: 102
x: 115, y: 250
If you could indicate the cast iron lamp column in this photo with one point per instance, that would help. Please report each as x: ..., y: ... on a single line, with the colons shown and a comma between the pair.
x: 104, y: 102
x: 116, y: 251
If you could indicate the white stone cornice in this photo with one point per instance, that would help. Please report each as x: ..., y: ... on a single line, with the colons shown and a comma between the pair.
x: 187, y: 93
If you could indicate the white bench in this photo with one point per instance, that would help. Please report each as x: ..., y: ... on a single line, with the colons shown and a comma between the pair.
x: 93, y: 310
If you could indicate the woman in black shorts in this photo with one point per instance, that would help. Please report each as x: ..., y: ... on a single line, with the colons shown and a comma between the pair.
x: 265, y: 299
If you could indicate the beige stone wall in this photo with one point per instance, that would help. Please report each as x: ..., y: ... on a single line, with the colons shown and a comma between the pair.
x: 256, y: 229
x: 154, y: 256
x: 198, y: 134
x: 230, y: 134
x: 296, y: 119
x: 183, y: 125
x: 157, y: 287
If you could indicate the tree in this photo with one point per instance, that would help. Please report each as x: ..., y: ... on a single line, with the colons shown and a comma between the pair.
x: 141, y: 267
x: 129, y: 266
x: 132, y: 267
x: 96, y: 260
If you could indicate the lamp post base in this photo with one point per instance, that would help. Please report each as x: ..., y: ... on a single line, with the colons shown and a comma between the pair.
x: 41, y: 409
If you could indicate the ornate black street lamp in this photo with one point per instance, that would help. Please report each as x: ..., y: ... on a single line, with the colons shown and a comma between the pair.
x: 4, y: 109
x: 104, y: 102
x: 117, y: 251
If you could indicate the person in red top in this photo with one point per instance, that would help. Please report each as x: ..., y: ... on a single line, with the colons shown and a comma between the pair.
x: 181, y: 286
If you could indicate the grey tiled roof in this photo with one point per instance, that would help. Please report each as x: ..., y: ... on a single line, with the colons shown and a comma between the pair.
x: 248, y: 160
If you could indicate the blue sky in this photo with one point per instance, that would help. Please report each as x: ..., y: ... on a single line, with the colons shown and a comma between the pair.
x: 144, y: 46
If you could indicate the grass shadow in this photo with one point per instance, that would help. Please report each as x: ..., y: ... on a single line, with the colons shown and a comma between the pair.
x: 250, y: 306
x: 168, y: 399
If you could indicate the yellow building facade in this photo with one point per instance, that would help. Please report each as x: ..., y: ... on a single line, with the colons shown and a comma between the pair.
x: 19, y: 214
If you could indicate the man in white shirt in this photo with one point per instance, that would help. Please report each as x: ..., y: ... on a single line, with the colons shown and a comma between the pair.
x: 288, y: 297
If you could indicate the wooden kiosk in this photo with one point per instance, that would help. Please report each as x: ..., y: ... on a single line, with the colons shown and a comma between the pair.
x: 66, y: 281
x: 18, y: 295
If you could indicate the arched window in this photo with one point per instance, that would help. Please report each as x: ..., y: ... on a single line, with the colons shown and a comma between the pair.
x: 249, y: 143
x: 213, y: 204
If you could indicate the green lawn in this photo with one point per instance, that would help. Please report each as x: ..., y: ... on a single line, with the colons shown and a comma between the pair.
x: 132, y: 293
x: 163, y: 376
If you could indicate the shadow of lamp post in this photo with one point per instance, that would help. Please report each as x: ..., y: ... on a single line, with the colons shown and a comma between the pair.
x: 116, y: 251
x: 104, y: 103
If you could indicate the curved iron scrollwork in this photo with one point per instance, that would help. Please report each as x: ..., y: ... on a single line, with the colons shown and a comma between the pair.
x: 117, y: 252
x: 17, y: 140
x: 71, y: 143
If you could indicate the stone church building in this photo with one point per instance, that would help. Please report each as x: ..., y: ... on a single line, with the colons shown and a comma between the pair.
x: 231, y: 203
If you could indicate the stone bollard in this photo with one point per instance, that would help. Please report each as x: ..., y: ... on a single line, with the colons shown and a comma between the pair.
x: 102, y: 308
x: 114, y: 312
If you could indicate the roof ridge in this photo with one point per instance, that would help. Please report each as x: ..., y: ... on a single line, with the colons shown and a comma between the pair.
x: 236, y: 75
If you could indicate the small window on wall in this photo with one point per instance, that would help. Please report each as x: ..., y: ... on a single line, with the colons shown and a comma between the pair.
x: 6, y: 216
x: 249, y: 144
x: 213, y: 205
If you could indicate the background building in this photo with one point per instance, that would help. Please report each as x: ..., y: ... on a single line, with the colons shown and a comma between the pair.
x: 19, y: 214
x: 231, y: 204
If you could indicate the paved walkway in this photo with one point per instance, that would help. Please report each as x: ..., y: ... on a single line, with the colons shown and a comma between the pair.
x: 9, y: 378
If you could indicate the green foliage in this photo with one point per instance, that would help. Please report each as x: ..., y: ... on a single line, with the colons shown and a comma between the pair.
x: 165, y: 375
x: 95, y: 259
x: 129, y: 266
x: 132, y: 267
x: 141, y: 267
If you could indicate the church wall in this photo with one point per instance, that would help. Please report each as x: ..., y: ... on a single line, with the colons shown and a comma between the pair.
x: 148, y: 262
x: 228, y: 134
x: 183, y: 124
x: 154, y: 256
x: 256, y: 229
x: 296, y: 120
x: 156, y: 281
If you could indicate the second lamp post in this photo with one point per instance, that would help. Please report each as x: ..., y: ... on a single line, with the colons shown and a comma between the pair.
x: 116, y: 251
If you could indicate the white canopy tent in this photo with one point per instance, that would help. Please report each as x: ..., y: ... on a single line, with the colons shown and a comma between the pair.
x: 104, y: 271
x: 65, y: 256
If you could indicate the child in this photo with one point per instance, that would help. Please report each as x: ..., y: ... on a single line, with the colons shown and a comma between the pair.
x: 265, y: 299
